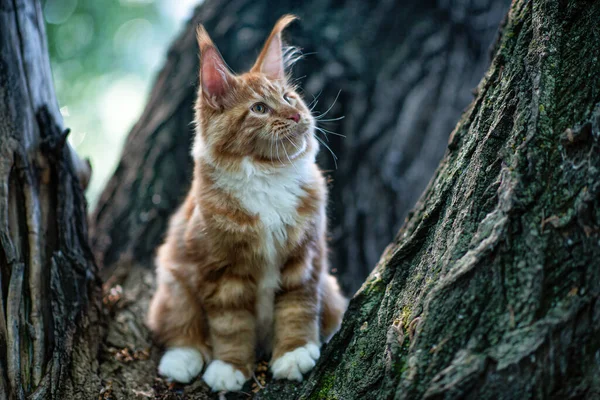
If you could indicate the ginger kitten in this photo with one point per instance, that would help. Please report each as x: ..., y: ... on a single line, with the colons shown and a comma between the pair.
x: 244, y: 265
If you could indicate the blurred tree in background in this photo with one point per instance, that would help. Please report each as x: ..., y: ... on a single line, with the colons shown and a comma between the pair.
x: 104, y: 55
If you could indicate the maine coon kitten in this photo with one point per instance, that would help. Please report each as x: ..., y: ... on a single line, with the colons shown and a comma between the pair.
x: 244, y: 264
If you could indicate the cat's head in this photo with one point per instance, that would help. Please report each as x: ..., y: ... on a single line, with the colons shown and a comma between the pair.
x: 257, y: 115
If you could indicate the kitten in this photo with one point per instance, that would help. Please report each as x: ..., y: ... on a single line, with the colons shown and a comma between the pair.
x: 244, y: 264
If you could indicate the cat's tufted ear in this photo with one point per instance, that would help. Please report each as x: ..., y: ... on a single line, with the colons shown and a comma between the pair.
x: 270, y: 59
x: 215, y: 79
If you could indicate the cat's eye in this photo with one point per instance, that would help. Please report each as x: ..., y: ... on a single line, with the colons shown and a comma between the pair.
x: 259, y: 108
x: 287, y: 98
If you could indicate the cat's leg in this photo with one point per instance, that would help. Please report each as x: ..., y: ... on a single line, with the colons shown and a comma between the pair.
x: 232, y: 329
x: 296, y: 314
x: 333, y: 306
x: 175, y: 317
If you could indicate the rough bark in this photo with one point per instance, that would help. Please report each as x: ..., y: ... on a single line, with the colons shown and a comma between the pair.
x: 403, y: 70
x: 491, y: 290
x: 47, y: 272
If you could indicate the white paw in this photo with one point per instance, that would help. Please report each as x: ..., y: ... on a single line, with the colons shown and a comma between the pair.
x: 294, y: 363
x: 220, y: 375
x: 181, y: 364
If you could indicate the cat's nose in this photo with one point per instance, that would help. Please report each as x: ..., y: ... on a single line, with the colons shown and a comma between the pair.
x: 295, y: 117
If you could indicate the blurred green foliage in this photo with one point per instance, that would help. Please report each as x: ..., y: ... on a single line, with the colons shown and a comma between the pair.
x: 104, y: 55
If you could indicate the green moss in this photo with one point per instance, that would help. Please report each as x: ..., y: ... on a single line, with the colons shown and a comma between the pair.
x: 325, y: 391
x: 401, y: 365
x: 405, y: 316
x: 375, y: 285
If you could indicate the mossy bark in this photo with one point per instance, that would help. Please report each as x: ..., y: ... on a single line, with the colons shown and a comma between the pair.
x: 491, y: 289
x: 49, y: 293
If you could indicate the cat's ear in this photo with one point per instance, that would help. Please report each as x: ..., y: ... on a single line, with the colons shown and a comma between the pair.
x: 270, y: 59
x: 215, y: 79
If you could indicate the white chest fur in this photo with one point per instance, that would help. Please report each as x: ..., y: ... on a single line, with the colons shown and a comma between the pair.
x: 274, y: 196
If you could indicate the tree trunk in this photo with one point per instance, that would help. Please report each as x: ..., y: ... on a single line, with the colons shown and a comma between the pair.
x: 403, y: 71
x: 491, y: 289
x: 48, y: 284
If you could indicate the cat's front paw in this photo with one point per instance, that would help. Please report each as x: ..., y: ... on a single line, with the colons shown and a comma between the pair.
x: 223, y: 376
x: 181, y: 364
x: 294, y: 363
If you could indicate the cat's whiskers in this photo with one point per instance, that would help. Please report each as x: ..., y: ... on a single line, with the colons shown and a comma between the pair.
x: 314, y: 101
x: 288, y: 156
x: 317, y: 129
x: 326, y: 131
x: 277, y: 150
x: 292, y: 142
x: 330, y: 107
x: 328, y: 148
x: 318, y: 118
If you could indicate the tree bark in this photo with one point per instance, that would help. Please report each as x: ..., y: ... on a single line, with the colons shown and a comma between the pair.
x: 491, y: 289
x: 48, y: 284
x: 401, y: 72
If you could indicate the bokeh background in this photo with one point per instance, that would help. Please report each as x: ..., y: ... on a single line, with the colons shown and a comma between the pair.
x: 104, y: 56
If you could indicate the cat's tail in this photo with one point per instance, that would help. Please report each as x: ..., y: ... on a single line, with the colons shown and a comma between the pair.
x: 333, y: 306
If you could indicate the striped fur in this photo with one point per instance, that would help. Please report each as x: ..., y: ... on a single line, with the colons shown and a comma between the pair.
x: 244, y: 264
